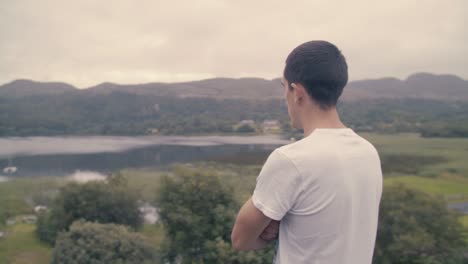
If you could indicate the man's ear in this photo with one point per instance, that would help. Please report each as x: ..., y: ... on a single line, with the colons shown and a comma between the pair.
x: 299, y: 92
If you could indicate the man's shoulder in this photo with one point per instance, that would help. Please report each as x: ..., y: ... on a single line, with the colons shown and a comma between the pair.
x: 318, y: 147
x: 305, y: 146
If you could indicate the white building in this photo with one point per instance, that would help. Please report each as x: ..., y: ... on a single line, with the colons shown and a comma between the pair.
x: 271, y: 126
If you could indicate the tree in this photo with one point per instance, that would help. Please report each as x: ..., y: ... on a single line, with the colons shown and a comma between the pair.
x: 245, y: 128
x: 198, y: 212
x: 415, y: 227
x: 3, y: 217
x: 93, y: 201
x: 102, y: 243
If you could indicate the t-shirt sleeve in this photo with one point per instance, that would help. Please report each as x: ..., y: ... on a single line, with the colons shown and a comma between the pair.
x: 277, y: 186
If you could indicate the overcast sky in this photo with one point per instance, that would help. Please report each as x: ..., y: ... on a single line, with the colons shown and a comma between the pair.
x: 85, y: 42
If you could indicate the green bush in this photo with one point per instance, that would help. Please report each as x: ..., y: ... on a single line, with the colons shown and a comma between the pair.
x: 415, y: 227
x: 3, y: 217
x: 245, y: 129
x: 93, y: 201
x: 102, y: 243
x: 198, y: 212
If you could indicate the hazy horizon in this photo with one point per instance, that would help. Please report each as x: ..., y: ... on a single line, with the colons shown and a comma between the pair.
x: 234, y: 78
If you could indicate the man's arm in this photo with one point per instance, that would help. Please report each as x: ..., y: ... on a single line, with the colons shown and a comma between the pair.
x: 249, y: 225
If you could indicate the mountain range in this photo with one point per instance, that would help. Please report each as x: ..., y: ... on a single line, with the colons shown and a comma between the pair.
x: 419, y: 85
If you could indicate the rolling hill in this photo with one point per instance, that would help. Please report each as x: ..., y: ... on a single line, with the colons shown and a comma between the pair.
x: 419, y: 85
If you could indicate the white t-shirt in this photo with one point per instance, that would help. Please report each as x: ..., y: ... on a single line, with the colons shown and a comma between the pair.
x: 326, y: 190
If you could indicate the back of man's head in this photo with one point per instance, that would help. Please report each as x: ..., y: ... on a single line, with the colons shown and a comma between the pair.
x: 320, y: 67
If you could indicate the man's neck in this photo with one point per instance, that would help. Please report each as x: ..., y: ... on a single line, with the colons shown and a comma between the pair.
x: 321, y: 119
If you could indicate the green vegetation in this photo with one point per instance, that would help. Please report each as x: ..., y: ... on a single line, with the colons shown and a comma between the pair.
x: 198, y: 213
x: 17, y: 197
x: 154, y: 233
x: 441, y: 129
x: 93, y: 201
x: 241, y: 178
x: 464, y: 221
x: 195, y: 210
x: 435, y: 166
x: 406, y: 163
x: 21, y: 246
x: 143, y: 181
x: 128, y: 114
x: 120, y: 113
x: 102, y: 244
x: 245, y: 129
x: 440, y: 156
x: 427, y: 117
x: 417, y: 228
x: 453, y: 189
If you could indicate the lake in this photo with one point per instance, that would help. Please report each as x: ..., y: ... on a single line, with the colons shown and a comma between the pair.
x: 95, y: 156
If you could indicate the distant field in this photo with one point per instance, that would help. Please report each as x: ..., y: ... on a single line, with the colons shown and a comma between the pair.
x: 442, y: 168
x: 464, y: 220
x: 452, y: 151
x: 21, y: 246
x: 17, y: 196
x: 453, y: 189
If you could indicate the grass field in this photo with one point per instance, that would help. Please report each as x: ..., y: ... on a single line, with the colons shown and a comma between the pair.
x: 464, y: 220
x: 447, y: 175
x: 436, y: 166
x: 17, y: 196
x: 453, y: 152
x: 453, y: 189
x: 21, y: 246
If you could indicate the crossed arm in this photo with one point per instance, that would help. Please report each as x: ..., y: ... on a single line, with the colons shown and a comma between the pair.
x: 252, y: 229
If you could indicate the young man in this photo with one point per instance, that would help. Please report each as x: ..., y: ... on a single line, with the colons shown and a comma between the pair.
x: 321, y: 193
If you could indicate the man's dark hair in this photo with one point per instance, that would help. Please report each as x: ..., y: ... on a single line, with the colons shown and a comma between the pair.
x: 321, y: 68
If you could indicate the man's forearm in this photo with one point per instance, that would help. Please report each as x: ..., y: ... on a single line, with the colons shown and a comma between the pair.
x: 249, y: 225
x: 259, y: 244
x: 254, y: 245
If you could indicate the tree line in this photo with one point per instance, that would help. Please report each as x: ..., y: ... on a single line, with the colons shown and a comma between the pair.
x: 121, y: 113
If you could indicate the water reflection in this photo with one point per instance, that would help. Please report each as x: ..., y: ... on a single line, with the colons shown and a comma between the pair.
x: 16, y: 146
x: 158, y: 156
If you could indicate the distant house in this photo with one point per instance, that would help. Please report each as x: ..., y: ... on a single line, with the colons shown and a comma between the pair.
x: 271, y: 126
x: 11, y: 222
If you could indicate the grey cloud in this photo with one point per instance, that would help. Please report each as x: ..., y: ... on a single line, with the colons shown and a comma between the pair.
x: 87, y: 42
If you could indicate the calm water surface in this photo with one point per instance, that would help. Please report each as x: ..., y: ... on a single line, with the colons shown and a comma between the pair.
x: 94, y: 156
